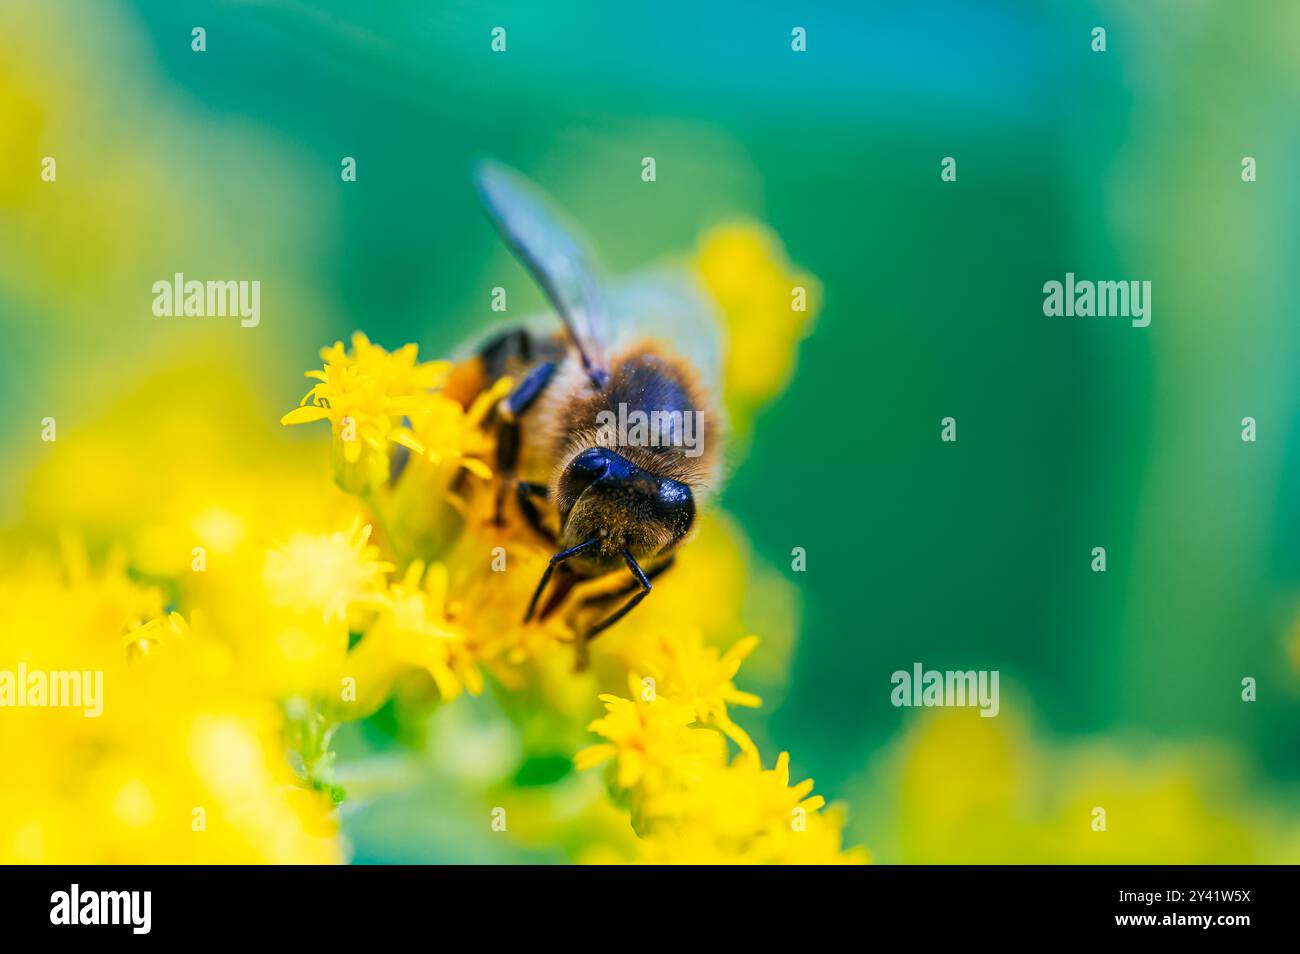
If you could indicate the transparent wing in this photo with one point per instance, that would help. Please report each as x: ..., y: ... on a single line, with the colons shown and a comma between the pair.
x: 664, y: 305
x: 554, y: 256
x: 667, y: 305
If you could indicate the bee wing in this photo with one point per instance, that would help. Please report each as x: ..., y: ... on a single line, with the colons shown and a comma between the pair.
x: 555, y: 257
x: 669, y: 306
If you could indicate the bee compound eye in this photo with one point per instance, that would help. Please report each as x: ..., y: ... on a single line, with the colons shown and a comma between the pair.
x: 581, y: 472
x: 591, y: 464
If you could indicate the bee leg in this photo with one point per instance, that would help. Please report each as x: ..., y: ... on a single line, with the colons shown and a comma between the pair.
x: 507, y: 457
x: 642, y: 583
x: 555, y: 561
x: 525, y: 491
x: 506, y: 350
x: 603, y: 599
x: 518, y: 401
x: 565, y: 581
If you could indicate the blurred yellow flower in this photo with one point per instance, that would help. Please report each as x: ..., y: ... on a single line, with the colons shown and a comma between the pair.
x: 144, y: 638
x: 741, y: 813
x: 327, y: 573
x: 981, y: 791
x: 767, y: 306
x: 179, y: 766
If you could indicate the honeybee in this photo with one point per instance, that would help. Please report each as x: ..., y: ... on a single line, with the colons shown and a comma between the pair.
x: 609, y: 439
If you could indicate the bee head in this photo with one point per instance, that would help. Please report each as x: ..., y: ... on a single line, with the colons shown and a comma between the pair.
x: 602, y: 494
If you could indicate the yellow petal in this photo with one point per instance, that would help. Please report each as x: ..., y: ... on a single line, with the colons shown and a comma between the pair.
x: 736, y: 734
x: 747, y: 699
x: 305, y: 414
x: 742, y: 648
x: 593, y: 755
x: 407, y: 439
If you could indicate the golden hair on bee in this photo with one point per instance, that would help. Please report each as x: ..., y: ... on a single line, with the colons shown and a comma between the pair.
x: 653, y: 411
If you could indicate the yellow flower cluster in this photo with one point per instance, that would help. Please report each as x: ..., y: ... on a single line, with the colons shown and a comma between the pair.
x: 690, y: 801
x: 368, y: 395
x: 412, y: 629
x: 249, y: 608
x: 206, y: 710
x: 238, y: 605
x: 981, y: 791
x: 175, y: 503
x: 178, y: 764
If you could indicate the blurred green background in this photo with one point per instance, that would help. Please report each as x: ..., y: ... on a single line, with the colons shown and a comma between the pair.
x: 1073, y: 433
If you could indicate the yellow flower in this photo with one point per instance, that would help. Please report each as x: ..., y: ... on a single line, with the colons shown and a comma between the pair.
x: 426, y: 509
x: 329, y: 573
x: 651, y: 738
x: 365, y: 395
x: 702, y: 677
x: 178, y: 765
x: 689, y: 804
x: 145, y: 638
x: 817, y: 844
x: 740, y: 802
x: 412, y: 629
x: 449, y: 432
x: 117, y: 599
x: 987, y: 791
